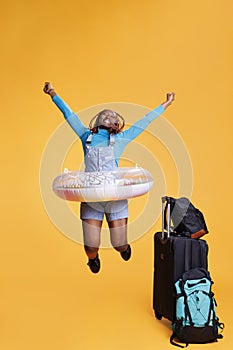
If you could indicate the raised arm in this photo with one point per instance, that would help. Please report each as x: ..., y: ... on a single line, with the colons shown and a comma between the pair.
x: 72, y: 118
x: 137, y: 128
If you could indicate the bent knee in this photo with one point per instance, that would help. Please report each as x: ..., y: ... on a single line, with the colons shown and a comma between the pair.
x: 90, y: 249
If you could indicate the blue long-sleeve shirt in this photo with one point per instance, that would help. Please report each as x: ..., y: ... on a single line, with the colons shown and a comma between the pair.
x: 101, y: 138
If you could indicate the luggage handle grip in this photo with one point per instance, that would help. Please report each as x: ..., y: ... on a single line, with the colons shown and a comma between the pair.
x: 164, y: 200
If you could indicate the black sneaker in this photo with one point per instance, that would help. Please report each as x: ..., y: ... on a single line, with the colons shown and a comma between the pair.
x: 126, y: 254
x: 94, y: 264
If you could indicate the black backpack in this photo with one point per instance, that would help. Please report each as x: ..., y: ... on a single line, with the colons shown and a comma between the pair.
x: 186, y: 219
x: 196, y: 319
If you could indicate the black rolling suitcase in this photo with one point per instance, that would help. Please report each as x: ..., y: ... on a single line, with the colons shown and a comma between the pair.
x: 173, y: 255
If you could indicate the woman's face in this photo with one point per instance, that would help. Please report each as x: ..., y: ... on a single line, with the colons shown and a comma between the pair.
x: 108, y: 118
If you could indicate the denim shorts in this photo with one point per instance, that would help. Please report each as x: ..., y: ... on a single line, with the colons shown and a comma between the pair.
x: 113, y: 210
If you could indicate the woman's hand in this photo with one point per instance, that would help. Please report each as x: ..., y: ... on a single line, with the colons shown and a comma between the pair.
x: 170, y: 99
x: 48, y: 89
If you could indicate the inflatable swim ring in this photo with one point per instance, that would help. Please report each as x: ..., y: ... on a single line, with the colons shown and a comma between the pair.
x: 122, y: 183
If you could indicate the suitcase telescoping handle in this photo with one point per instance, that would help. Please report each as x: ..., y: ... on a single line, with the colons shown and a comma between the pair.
x: 164, y: 200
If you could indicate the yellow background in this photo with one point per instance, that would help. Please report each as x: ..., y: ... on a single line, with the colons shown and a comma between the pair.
x: 96, y: 52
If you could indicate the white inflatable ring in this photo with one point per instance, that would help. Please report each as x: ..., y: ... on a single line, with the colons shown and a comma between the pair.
x: 122, y: 183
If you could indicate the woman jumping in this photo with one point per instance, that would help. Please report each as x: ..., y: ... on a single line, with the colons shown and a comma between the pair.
x: 103, y: 143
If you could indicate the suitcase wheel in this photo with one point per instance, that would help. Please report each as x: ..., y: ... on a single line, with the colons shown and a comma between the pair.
x: 158, y: 315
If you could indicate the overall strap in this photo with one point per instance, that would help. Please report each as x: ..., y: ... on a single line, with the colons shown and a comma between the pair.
x: 88, y: 141
x: 111, y: 140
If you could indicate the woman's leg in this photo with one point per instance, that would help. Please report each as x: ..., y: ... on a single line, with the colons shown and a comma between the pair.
x: 117, y: 216
x: 118, y: 234
x: 91, y: 236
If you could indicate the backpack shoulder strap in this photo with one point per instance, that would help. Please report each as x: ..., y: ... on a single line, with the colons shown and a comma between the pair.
x: 186, y: 307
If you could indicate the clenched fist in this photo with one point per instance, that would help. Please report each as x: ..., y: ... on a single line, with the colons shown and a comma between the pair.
x: 48, y: 89
x: 170, y: 97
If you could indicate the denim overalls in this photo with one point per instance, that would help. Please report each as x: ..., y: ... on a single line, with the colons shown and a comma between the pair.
x: 102, y: 159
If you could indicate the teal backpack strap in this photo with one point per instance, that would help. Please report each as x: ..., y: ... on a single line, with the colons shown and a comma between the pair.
x: 212, y: 308
x: 186, y: 307
x: 219, y: 325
